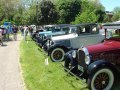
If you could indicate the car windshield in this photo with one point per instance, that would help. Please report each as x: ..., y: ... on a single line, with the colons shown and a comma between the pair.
x: 114, y: 28
x: 49, y: 28
x: 56, y: 30
x: 66, y: 29
x: 73, y: 30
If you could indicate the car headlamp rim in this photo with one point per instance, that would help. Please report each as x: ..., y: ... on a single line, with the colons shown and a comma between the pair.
x: 74, y: 54
x: 49, y: 42
x: 87, y: 57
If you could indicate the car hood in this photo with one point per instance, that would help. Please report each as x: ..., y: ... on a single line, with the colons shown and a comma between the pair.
x: 45, y: 32
x: 63, y: 37
x: 55, y: 33
x: 107, y: 45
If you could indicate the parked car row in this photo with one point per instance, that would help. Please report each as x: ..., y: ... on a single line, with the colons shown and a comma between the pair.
x: 88, y: 54
x: 99, y: 63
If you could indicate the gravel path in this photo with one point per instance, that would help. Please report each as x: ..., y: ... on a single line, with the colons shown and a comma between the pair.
x: 10, y: 73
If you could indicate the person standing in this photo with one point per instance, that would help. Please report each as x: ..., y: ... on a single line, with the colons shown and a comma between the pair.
x: 15, y: 30
x: 25, y: 32
x: 1, y: 37
x: 30, y: 31
x: 22, y: 30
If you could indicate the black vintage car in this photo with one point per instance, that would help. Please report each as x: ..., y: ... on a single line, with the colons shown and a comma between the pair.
x: 99, y: 64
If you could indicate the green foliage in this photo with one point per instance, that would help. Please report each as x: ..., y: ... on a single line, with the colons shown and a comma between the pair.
x: 29, y: 15
x: 52, y: 11
x: 116, y: 15
x: 68, y: 9
x: 7, y: 8
x: 92, y: 11
x: 101, y: 15
x: 47, y: 13
x: 85, y: 17
x: 17, y: 18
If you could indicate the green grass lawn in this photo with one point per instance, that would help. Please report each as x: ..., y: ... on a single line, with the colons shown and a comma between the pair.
x: 39, y: 76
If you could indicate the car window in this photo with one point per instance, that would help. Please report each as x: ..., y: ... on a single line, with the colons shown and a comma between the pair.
x: 55, y: 30
x: 49, y: 28
x: 66, y: 29
x: 94, y: 30
x: 85, y: 29
x: 73, y: 30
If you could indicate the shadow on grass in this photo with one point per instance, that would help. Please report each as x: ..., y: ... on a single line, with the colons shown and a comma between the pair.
x: 72, y: 83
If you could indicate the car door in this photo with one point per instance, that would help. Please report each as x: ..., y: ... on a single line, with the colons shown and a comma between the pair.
x: 88, y: 35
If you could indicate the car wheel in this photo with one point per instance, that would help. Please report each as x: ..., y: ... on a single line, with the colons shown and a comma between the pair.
x: 102, y: 79
x: 57, y: 54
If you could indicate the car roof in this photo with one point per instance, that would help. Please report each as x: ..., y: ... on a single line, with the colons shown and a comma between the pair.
x: 57, y: 25
x: 112, y: 25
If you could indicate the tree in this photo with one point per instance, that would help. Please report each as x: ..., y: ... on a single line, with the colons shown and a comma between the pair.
x: 47, y: 13
x: 85, y: 17
x: 100, y: 11
x: 68, y: 9
x: 116, y: 15
x: 8, y: 7
x: 101, y: 15
x: 92, y: 11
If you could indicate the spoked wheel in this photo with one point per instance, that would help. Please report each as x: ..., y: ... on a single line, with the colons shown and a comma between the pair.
x: 102, y: 79
x: 57, y: 55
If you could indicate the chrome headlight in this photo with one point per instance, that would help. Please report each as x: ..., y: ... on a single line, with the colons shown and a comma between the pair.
x: 74, y: 54
x: 49, y: 42
x: 87, y: 57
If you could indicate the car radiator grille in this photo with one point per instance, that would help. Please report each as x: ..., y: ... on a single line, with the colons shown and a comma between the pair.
x: 81, y: 59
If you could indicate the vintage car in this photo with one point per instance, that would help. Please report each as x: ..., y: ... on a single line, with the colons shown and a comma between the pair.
x: 99, y: 64
x: 35, y: 34
x: 86, y: 34
x: 56, y: 30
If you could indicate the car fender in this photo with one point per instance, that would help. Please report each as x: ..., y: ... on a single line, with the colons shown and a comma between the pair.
x: 57, y: 45
x: 101, y: 64
x: 68, y: 56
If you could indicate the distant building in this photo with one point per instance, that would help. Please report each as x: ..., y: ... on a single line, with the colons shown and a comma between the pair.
x: 110, y: 15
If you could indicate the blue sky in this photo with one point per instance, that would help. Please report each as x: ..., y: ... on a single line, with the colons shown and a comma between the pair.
x: 110, y: 4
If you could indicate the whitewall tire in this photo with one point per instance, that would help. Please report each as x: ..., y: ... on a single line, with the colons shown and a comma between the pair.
x: 57, y: 54
x: 102, y: 79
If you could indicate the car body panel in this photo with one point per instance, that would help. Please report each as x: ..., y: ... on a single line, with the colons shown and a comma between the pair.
x: 64, y: 37
x: 107, y: 45
x: 84, y: 40
x: 45, y: 32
